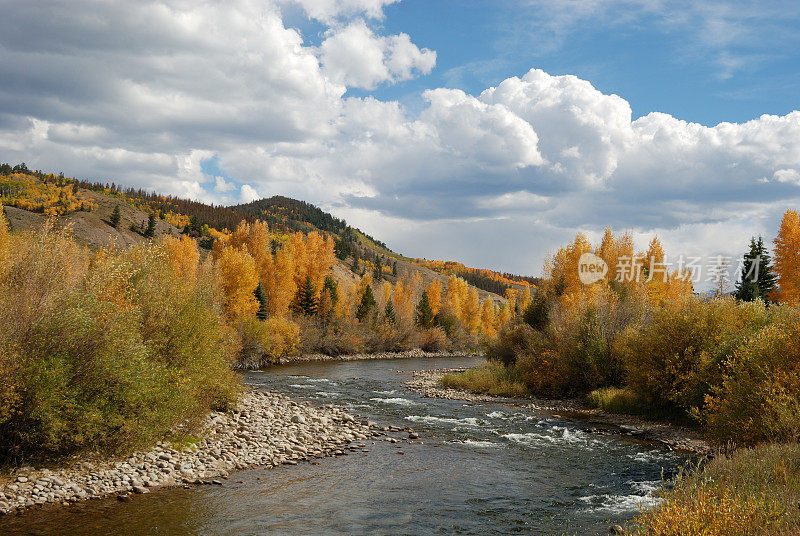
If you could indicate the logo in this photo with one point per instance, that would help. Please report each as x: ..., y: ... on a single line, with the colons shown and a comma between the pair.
x: 591, y: 268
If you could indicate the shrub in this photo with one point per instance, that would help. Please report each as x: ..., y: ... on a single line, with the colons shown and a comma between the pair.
x: 266, y: 341
x: 759, y: 396
x: 677, y: 357
x: 432, y: 340
x: 107, y: 351
x: 513, y: 341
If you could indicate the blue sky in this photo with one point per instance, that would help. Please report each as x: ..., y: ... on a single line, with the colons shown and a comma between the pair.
x: 655, y: 63
x: 485, y: 132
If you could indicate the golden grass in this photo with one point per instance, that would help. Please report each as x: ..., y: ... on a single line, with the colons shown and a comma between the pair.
x: 753, y: 492
x: 491, y: 378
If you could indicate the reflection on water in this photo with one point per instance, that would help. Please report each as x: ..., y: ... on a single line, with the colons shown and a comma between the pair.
x: 483, y: 469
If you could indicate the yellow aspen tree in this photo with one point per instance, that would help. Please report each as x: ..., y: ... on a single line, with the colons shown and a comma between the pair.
x: 511, y: 295
x: 455, y: 295
x: 786, y: 259
x: 403, y: 303
x: 385, y: 294
x: 504, y: 316
x: 525, y: 300
x: 488, y: 318
x: 471, y: 310
x: 5, y: 243
x: 183, y: 257
x: 609, y: 252
x: 435, y: 296
x: 238, y: 280
x: 282, y: 289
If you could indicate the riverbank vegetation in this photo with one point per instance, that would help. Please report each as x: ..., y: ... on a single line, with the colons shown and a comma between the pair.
x: 115, y: 348
x: 753, y: 491
x: 645, y: 343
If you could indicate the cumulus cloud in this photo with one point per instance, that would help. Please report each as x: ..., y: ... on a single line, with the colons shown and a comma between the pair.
x: 330, y: 10
x: 355, y: 57
x: 145, y: 93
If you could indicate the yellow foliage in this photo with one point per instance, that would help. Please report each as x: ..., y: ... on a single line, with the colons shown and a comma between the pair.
x: 435, y: 295
x: 787, y: 258
x: 54, y: 196
x: 238, y: 280
x: 183, y: 257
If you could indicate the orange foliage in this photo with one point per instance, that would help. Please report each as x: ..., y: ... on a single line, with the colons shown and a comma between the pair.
x: 787, y: 258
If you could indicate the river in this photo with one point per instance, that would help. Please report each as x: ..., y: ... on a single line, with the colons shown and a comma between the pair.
x: 480, y: 469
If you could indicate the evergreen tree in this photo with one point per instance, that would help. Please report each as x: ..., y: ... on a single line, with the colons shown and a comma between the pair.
x: 150, y: 232
x: 424, y: 311
x: 537, y: 314
x: 757, y: 279
x: 115, y: 217
x: 378, y: 273
x: 394, y: 269
x: 261, y: 298
x: 367, y: 303
x: 388, y: 313
x: 355, y: 261
x: 332, y: 287
x: 306, y: 300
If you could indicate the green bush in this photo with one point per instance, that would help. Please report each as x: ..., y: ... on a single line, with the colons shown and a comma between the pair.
x: 759, y: 396
x: 678, y: 356
x: 107, y: 351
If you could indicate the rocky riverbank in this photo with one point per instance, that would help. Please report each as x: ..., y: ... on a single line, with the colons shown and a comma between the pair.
x: 428, y: 383
x: 408, y: 354
x: 265, y: 430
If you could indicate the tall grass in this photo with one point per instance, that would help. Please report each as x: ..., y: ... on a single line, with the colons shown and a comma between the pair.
x: 754, y: 492
x: 104, y: 351
x: 491, y: 378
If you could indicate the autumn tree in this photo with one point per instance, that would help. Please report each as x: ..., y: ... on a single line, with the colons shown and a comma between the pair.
x: 115, y: 217
x: 787, y: 258
x: 238, y: 278
x: 756, y: 279
x: 434, y: 291
x: 182, y: 257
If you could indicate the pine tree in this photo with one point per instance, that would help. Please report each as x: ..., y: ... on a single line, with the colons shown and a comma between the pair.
x: 150, y: 232
x: 332, y: 288
x: 388, y: 313
x: 757, y: 279
x: 306, y: 300
x: 378, y: 273
x: 424, y: 312
x: 394, y: 269
x: 261, y: 298
x: 115, y: 217
x: 537, y: 313
x: 367, y: 303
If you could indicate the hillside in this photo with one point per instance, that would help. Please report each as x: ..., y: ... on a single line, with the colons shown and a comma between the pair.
x: 87, y: 207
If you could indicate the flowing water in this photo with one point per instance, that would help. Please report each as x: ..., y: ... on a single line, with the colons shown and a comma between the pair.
x: 482, y: 469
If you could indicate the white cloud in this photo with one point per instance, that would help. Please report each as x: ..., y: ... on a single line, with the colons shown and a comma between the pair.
x: 354, y: 56
x: 495, y: 179
x: 330, y: 10
x: 248, y: 194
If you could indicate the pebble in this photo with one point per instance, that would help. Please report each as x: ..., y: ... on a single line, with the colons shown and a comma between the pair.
x: 266, y: 429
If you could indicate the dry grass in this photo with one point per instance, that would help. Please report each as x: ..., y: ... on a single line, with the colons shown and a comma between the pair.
x: 753, y: 492
x: 492, y: 379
